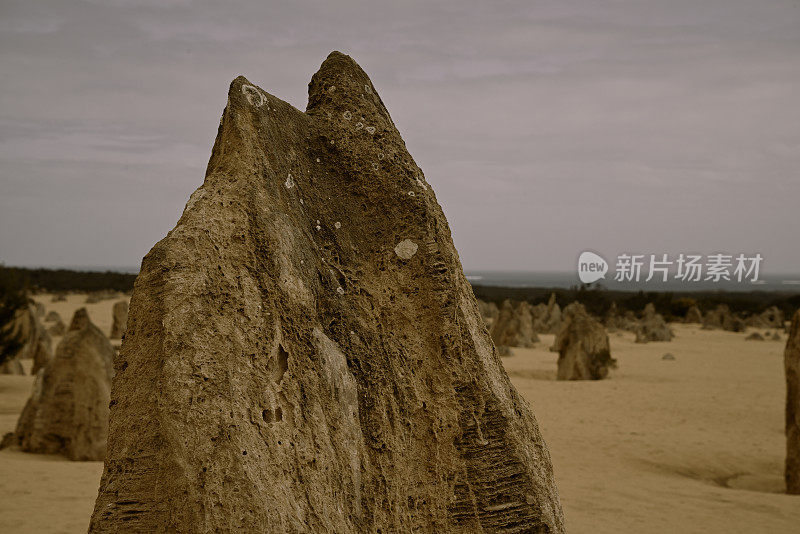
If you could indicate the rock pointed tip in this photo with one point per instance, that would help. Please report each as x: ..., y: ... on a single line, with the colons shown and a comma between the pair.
x: 338, y: 76
x: 237, y: 83
x: 240, y: 79
x: 80, y: 319
x: 246, y: 92
x: 339, y: 62
x: 336, y: 55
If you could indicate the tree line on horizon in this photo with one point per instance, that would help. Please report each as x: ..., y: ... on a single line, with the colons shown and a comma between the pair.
x: 597, y: 300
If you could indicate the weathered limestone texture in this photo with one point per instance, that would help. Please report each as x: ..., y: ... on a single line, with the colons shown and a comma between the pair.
x: 303, y: 352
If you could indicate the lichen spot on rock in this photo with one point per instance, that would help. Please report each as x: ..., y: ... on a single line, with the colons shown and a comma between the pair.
x: 406, y: 249
x: 337, y: 225
x: 253, y: 95
x: 289, y: 182
x: 347, y: 115
x: 371, y: 129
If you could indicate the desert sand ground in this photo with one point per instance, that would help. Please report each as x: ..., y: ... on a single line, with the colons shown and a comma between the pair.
x: 694, y: 444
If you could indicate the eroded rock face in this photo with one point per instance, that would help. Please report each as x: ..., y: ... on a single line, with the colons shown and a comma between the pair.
x: 582, y: 345
x: 119, y: 319
x: 36, y: 342
x: 57, y: 328
x: 489, y: 311
x: 652, y: 327
x: 792, y: 367
x: 303, y: 351
x: 693, y: 315
x: 42, y: 349
x: 67, y: 412
x: 722, y: 318
x: 772, y: 317
x: 12, y: 366
x: 613, y: 321
x: 547, y: 319
x: 514, y: 326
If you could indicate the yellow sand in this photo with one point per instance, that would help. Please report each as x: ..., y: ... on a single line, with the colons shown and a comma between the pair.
x: 690, y: 445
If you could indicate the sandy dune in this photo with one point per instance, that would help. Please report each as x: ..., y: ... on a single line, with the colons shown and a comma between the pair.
x: 690, y: 445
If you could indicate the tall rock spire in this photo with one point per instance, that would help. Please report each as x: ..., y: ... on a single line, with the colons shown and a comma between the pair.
x: 303, y: 352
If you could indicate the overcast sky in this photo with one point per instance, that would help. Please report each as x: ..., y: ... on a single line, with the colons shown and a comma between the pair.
x: 545, y: 127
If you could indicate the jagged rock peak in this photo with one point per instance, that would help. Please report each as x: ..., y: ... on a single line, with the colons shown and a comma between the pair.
x: 80, y: 320
x: 303, y: 352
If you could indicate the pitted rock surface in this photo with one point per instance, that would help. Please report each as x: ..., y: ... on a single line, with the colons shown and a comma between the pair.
x: 286, y: 369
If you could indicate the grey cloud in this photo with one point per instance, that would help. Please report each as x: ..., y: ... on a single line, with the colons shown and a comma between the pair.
x: 545, y: 127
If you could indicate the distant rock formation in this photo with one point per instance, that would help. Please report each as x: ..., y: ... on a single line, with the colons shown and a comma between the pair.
x: 772, y: 317
x: 58, y: 328
x: 119, y: 319
x: 722, y: 318
x: 12, y: 366
x: 614, y: 321
x: 80, y: 319
x: 514, y: 326
x: 489, y: 312
x: 42, y: 349
x: 652, y: 327
x: 52, y: 316
x: 582, y: 345
x: 755, y: 336
x: 38, y: 309
x: 693, y: 315
x: 303, y: 352
x: 36, y: 342
x: 547, y: 319
x: 67, y: 412
x: 791, y: 361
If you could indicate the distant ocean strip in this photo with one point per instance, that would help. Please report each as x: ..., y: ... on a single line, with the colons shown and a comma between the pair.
x: 766, y: 282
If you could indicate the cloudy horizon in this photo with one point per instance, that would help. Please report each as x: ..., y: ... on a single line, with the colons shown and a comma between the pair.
x: 545, y: 128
